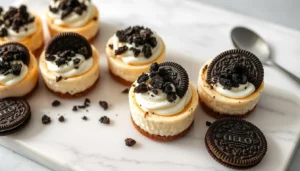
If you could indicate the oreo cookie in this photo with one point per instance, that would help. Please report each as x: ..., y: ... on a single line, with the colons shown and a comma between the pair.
x: 14, y: 115
x: 176, y: 74
x: 235, y: 143
x: 69, y: 41
x: 14, y: 51
x: 234, y: 67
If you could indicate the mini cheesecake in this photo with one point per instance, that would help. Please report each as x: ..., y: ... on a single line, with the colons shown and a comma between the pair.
x: 79, y: 16
x: 231, y: 84
x: 70, y: 65
x: 163, y: 102
x: 131, y: 51
x: 18, y: 71
x: 20, y: 25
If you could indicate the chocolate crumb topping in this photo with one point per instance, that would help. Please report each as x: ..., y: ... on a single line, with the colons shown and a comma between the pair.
x: 46, y: 119
x: 58, y: 78
x: 103, y: 104
x: 111, y: 46
x: 75, y: 108
x: 130, y: 142
x: 138, y: 36
x: 11, y: 54
x: 69, y: 6
x: 125, y: 91
x: 61, y: 119
x: 208, y: 123
x: 143, y: 78
x: 84, y: 118
x: 104, y: 120
x: 14, y: 18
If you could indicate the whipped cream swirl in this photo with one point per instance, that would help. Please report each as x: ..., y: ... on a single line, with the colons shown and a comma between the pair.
x: 243, y: 90
x: 24, y: 32
x: 12, y: 79
x: 158, y: 103
x: 70, y: 69
x: 128, y: 56
x: 73, y: 19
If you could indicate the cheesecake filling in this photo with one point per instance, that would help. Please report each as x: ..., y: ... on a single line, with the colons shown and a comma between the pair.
x: 136, y: 45
x: 16, y: 24
x: 68, y: 64
x: 12, y: 73
x: 159, y: 103
x: 71, y: 13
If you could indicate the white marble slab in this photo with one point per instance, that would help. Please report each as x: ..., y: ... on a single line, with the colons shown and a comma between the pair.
x: 193, y: 34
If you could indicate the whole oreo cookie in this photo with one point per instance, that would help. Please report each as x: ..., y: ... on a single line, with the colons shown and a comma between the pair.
x: 234, y: 67
x: 70, y: 41
x: 14, y: 51
x: 177, y: 75
x: 14, y: 115
x: 235, y: 143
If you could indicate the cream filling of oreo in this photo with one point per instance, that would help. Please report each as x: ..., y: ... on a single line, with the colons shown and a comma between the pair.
x: 11, y: 79
x: 129, y: 58
x: 73, y: 19
x: 159, y: 104
x: 69, y: 70
x: 24, y: 32
x: 242, y: 91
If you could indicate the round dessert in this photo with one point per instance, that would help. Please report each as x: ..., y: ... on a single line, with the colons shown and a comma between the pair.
x: 163, y: 102
x: 231, y: 84
x: 235, y: 143
x: 20, y: 25
x: 79, y: 16
x: 130, y: 52
x: 18, y: 70
x: 70, y: 65
x: 14, y: 115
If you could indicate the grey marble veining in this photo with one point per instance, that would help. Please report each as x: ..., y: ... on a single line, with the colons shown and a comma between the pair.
x: 193, y: 33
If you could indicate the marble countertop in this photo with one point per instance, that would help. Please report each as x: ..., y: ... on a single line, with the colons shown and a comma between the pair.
x: 181, y: 13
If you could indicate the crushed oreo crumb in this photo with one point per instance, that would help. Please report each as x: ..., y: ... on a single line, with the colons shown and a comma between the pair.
x: 56, y: 103
x: 104, y: 120
x: 84, y: 118
x: 87, y: 102
x: 121, y: 50
x: 75, y: 108
x: 143, y: 78
x: 61, y: 119
x: 130, y: 142
x: 69, y: 6
x: 141, y: 88
x: 125, y: 91
x: 103, y: 104
x: 58, y: 78
x: 46, y: 119
x: 208, y: 123
x: 111, y: 46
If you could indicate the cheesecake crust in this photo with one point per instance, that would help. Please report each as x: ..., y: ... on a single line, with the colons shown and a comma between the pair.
x: 161, y: 138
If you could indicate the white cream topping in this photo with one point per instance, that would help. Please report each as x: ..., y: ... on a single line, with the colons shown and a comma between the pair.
x: 159, y: 104
x: 73, y: 19
x: 129, y: 58
x: 242, y: 91
x: 69, y: 70
x: 10, y: 79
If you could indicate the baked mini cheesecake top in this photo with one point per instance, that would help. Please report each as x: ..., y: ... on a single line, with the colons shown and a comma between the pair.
x: 235, y: 73
x: 68, y: 55
x: 136, y: 45
x: 14, y: 61
x: 16, y: 24
x: 71, y: 13
x: 164, y: 90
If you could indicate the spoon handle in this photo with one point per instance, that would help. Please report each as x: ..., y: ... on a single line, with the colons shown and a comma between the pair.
x: 293, y: 76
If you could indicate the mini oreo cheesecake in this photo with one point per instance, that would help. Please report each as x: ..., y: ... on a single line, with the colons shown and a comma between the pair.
x: 162, y: 102
x: 18, y: 70
x: 231, y: 84
x: 79, y: 16
x: 70, y: 65
x: 131, y: 51
x: 20, y: 25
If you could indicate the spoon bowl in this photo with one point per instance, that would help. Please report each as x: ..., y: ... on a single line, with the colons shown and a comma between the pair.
x: 246, y: 39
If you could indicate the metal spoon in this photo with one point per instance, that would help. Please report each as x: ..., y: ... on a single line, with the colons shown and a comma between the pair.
x: 246, y: 39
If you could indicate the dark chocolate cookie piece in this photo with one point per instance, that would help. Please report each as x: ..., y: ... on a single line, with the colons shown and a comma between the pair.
x: 175, y: 74
x: 14, y: 115
x: 14, y: 51
x: 235, y: 143
x: 234, y: 67
x: 69, y: 41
